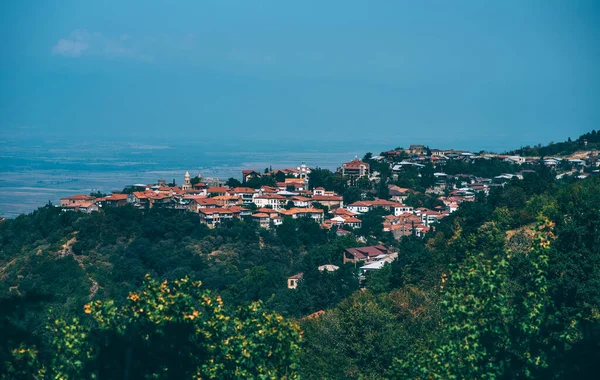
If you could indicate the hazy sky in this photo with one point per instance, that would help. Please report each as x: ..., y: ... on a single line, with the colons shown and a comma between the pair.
x: 447, y: 73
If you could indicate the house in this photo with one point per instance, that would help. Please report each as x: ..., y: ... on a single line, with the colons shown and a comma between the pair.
x: 401, y: 165
x: 300, y: 201
x: 239, y: 212
x: 247, y: 175
x: 437, y: 153
x: 165, y: 190
x: 217, y: 190
x: 315, y: 213
x: 276, y: 201
x: 266, y: 216
x: 214, y: 216
x: 199, y: 188
x: 428, y: 217
x: 344, y: 220
x: 416, y: 150
x: 331, y: 201
x: 85, y: 207
x: 365, y: 206
x: 359, y: 207
x: 319, y: 191
x: 268, y: 190
x: 355, y: 168
x: 376, y: 265
x: 399, y: 194
x: 344, y: 212
x: 201, y: 202
x: 140, y: 199
x: 76, y: 200
x: 263, y: 219
x: 246, y: 194
x: 114, y: 200
x: 298, y: 184
x: 160, y: 200
x: 365, y: 254
x: 292, y: 281
x: 227, y: 200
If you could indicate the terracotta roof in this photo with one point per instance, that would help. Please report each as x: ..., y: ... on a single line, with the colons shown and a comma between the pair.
x: 297, y: 276
x: 269, y: 189
x: 296, y: 210
x: 267, y: 210
x: 330, y: 198
x: 320, y: 188
x: 217, y: 189
x: 370, y: 251
x: 142, y: 194
x: 271, y: 196
x: 203, y: 200
x: 314, y: 315
x: 300, y: 199
x: 79, y: 197
x: 226, y: 197
x: 260, y: 215
x: 237, y: 208
x: 343, y: 211
x: 217, y: 210
x: 243, y: 190
x: 116, y: 197
x: 355, y: 164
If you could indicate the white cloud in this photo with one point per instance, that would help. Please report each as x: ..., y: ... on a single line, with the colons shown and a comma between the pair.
x: 81, y: 42
x: 74, y: 46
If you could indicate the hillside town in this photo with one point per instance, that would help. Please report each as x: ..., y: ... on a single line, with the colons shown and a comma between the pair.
x: 399, y: 184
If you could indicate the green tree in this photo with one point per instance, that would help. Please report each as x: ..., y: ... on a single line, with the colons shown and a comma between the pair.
x: 176, y: 331
x: 351, y: 195
x: 355, y: 340
x: 492, y: 328
x: 232, y: 182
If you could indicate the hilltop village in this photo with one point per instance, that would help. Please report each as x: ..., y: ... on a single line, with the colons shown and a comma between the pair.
x: 409, y: 189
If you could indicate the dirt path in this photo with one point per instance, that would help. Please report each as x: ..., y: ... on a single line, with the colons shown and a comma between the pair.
x: 68, y: 250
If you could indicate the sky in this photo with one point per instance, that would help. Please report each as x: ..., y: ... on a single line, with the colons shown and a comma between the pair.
x: 464, y: 74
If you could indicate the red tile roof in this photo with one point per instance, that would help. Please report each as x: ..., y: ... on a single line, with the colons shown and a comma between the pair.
x: 327, y: 198
x: 355, y: 164
x: 79, y: 197
x: 217, y: 210
x: 267, y: 210
x: 116, y: 197
x: 370, y: 251
x: 260, y: 215
x: 217, y: 189
x: 271, y: 196
x: 244, y: 190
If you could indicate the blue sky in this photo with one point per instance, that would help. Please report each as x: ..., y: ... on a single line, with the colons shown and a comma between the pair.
x: 466, y: 74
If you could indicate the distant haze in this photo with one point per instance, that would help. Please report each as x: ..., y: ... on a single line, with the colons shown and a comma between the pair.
x: 468, y: 74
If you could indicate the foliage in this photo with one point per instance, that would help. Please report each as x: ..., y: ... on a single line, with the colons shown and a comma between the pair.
x: 174, y: 330
x: 232, y: 182
x: 354, y: 340
x: 491, y: 327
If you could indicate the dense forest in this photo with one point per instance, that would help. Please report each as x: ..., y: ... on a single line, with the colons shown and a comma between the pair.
x: 505, y: 287
x: 587, y: 141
